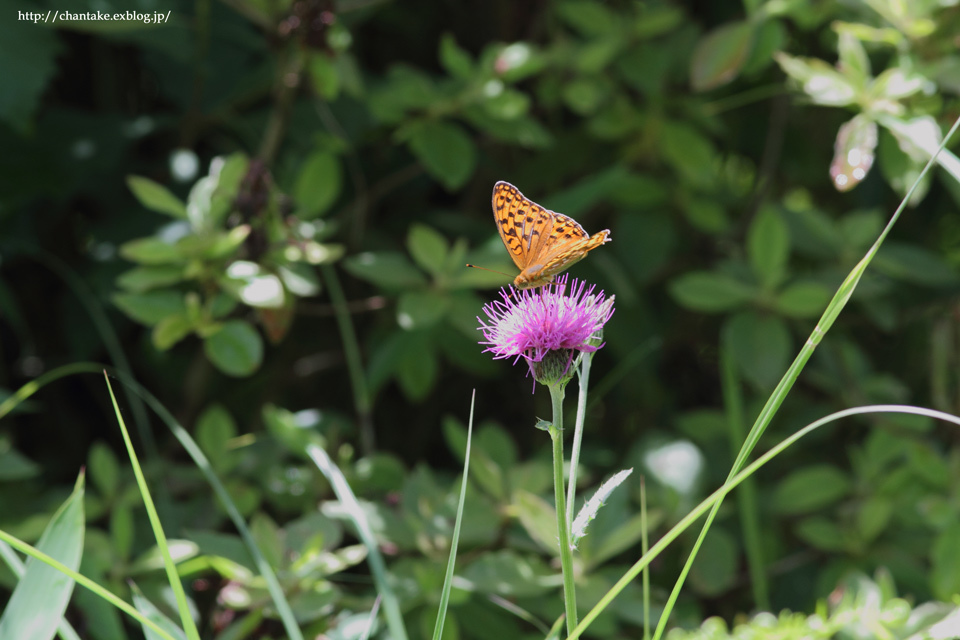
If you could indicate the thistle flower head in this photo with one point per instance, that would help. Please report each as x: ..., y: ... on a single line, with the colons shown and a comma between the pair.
x: 548, y: 326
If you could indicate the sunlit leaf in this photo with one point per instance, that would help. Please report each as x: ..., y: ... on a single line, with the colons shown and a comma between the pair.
x: 853, y: 152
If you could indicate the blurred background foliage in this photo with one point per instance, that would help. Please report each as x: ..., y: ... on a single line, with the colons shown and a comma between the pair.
x: 272, y: 203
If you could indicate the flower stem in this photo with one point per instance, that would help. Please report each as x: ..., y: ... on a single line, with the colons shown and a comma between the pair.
x: 563, y: 527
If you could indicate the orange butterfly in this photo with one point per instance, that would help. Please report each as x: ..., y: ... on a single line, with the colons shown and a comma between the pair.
x: 541, y: 242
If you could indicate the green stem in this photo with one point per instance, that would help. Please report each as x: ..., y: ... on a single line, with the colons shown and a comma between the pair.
x: 563, y: 528
x: 351, y: 349
x: 584, y: 380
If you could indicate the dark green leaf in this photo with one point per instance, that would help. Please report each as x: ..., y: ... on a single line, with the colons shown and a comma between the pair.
x: 27, y: 63
x: 914, y: 264
x: 104, y: 469
x: 421, y: 309
x: 821, y: 533
x: 170, y: 331
x: 236, y: 349
x: 710, y: 292
x: 215, y: 428
x: 719, y: 56
x: 428, y: 247
x: 760, y: 345
x: 945, y: 563
x: 318, y: 184
x: 323, y: 74
x: 715, y: 568
x: 445, y: 150
x: 151, y: 307
x: 810, y: 489
x: 768, y: 245
x: 803, y: 300
x: 455, y: 60
x: 385, y: 269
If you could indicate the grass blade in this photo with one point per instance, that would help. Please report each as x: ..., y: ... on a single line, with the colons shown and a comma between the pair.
x: 173, y: 577
x: 451, y: 562
x: 839, y: 301
x: 717, y: 497
x: 35, y: 610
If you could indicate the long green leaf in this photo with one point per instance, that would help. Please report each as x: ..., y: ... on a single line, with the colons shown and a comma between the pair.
x: 173, y: 577
x: 273, y: 585
x: 773, y: 403
x: 36, y: 607
x: 452, y: 561
x: 717, y: 497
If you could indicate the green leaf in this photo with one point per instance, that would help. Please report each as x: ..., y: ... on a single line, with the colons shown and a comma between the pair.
x: 121, y: 530
x: 914, y: 264
x: 901, y: 170
x: 104, y: 469
x: 140, y: 279
x: 446, y: 151
x: 710, y: 292
x: 853, y: 152
x: 945, y: 563
x: 538, y: 518
x: 156, y: 197
x: 149, y: 611
x: 760, y: 345
x: 455, y: 60
x: 27, y: 64
x: 421, y: 309
x: 323, y: 73
x: 853, y: 62
x: 873, y: 516
x: 803, y: 300
x: 719, y: 56
x: 299, y: 279
x: 385, y: 269
x: 691, y: 154
x: 810, y: 489
x: 715, y: 569
x: 151, y: 307
x: 215, y: 428
x: 40, y: 598
x: 824, y: 84
x: 821, y: 533
x: 16, y: 466
x: 171, y: 330
x: 428, y: 247
x: 236, y: 349
x: 318, y: 184
x: 417, y: 366
x: 151, y: 251
x: 768, y: 246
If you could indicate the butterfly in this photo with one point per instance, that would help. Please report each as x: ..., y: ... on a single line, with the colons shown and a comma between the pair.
x: 541, y: 242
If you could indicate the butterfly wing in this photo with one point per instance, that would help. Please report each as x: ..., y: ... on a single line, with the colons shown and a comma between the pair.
x: 541, y: 242
x: 524, y: 225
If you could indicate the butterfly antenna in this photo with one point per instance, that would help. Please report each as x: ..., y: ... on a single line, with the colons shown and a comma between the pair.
x: 473, y: 266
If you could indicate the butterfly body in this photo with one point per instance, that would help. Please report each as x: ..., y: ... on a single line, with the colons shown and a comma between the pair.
x: 541, y: 242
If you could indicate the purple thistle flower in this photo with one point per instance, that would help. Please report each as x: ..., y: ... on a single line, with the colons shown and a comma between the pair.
x: 545, y: 323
